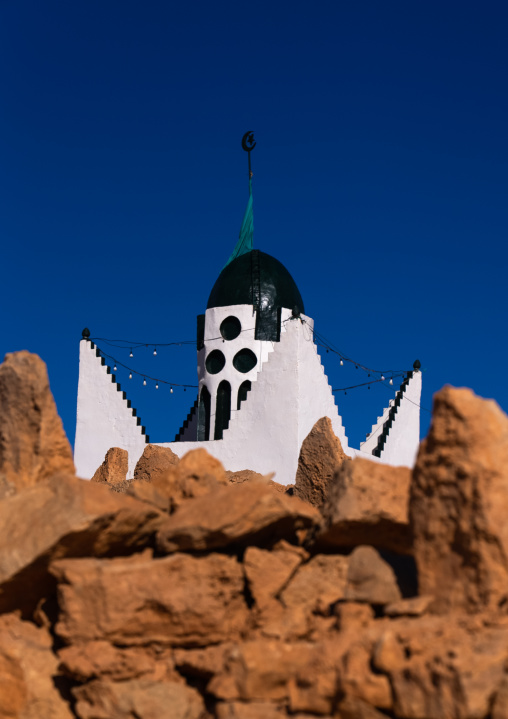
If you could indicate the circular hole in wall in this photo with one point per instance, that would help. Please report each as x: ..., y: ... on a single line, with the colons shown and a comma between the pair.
x: 230, y: 328
x: 215, y: 362
x: 245, y: 360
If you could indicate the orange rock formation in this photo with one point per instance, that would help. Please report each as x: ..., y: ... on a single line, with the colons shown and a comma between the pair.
x: 195, y: 593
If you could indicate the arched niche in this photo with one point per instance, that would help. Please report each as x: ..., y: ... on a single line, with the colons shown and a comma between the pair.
x: 223, y: 409
x: 242, y: 392
x: 204, y: 408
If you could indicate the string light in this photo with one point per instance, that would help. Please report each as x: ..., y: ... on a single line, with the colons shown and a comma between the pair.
x: 324, y: 343
x: 318, y: 338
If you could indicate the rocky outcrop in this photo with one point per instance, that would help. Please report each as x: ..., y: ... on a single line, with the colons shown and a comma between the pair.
x: 138, y: 698
x: 154, y: 461
x: 64, y: 517
x: 195, y: 475
x: 33, y: 445
x: 174, y: 601
x: 194, y: 597
x: 321, y: 455
x: 248, y: 513
x: 113, y: 471
x: 459, y: 503
x: 29, y: 672
x: 368, y: 503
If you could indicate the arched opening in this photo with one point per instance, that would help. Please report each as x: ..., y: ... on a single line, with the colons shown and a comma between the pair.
x: 204, y: 407
x: 242, y: 392
x: 223, y: 409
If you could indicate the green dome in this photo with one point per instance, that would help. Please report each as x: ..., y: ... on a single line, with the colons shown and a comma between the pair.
x: 255, y: 278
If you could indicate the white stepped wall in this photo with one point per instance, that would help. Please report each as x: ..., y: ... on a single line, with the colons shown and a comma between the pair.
x: 377, y: 430
x: 403, y: 439
x: 103, y: 418
x: 316, y: 398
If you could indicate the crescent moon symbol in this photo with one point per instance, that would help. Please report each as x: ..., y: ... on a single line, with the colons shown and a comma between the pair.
x: 248, y: 143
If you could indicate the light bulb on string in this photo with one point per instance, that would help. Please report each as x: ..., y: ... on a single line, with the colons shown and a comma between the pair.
x: 341, y: 363
x: 155, y: 352
x: 144, y: 382
x: 156, y: 385
x: 114, y: 368
x: 382, y: 378
x: 171, y: 390
x: 391, y: 380
x: 130, y: 375
x: 131, y: 354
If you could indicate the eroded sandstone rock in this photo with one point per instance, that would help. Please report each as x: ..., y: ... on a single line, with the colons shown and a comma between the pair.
x: 178, y: 600
x: 195, y: 475
x: 28, y: 673
x: 442, y: 666
x: 137, y: 699
x: 301, y: 674
x: 321, y: 455
x: 248, y: 513
x: 154, y: 461
x: 318, y: 584
x: 113, y: 471
x: 268, y: 572
x: 102, y: 660
x: 370, y: 579
x: 459, y: 503
x: 64, y: 517
x: 33, y: 445
x: 367, y: 503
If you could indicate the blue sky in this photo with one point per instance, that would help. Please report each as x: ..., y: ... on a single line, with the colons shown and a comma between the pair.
x: 380, y: 181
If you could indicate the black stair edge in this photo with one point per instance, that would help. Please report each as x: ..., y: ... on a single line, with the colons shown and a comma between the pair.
x: 192, y: 412
x: 119, y: 389
x: 376, y: 452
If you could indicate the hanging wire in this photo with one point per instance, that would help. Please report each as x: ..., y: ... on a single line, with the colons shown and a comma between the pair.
x: 317, y: 337
x: 143, y: 374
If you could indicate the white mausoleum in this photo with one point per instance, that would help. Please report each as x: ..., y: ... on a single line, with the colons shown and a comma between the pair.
x: 262, y: 386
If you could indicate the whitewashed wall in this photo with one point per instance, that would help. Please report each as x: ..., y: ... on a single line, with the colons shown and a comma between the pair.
x: 403, y: 439
x: 103, y: 418
x: 290, y: 392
